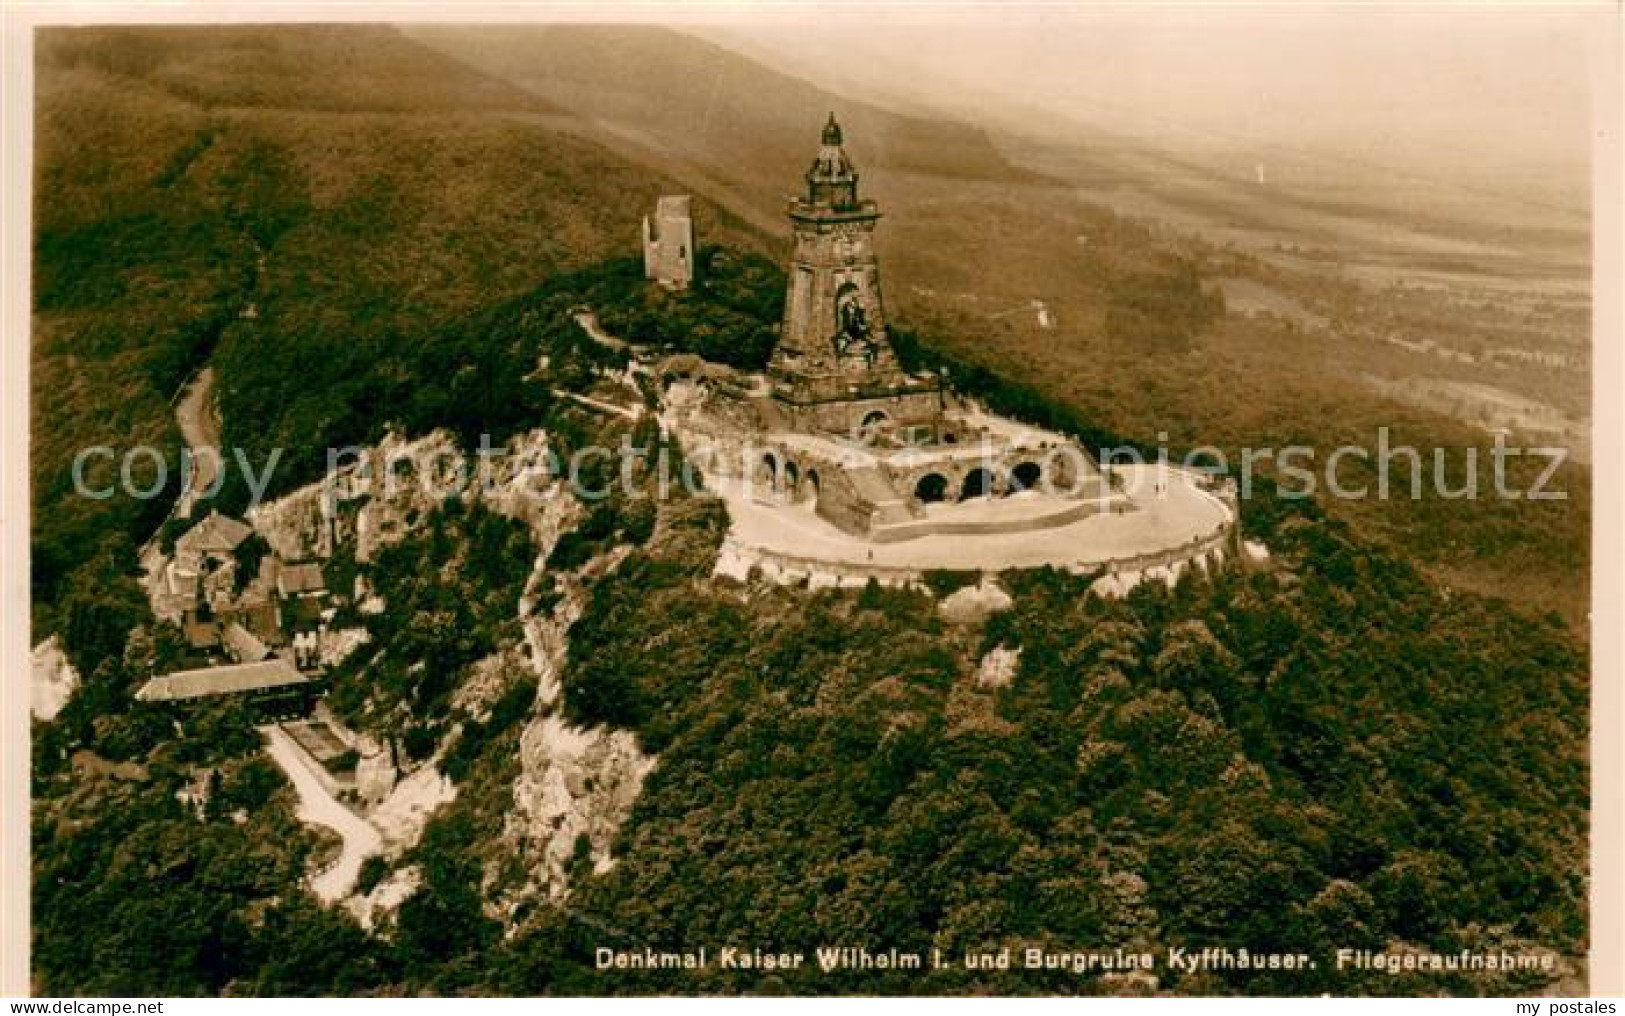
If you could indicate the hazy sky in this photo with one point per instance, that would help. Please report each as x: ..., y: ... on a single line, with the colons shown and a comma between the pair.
x: 1498, y: 93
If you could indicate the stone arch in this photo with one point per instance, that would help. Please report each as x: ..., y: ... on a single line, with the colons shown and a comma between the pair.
x: 809, y: 488
x: 768, y: 473
x: 792, y: 479
x: 1026, y: 476
x: 931, y: 488
x: 873, y: 422
x: 978, y: 483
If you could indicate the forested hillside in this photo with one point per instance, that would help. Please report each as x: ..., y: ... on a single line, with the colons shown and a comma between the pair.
x: 971, y: 237
x: 698, y: 104
x: 1328, y: 755
x: 299, y: 205
x: 202, y: 191
x: 1328, y: 752
x: 1340, y: 748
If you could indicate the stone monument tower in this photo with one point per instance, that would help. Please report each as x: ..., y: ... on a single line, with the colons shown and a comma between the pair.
x: 834, y: 368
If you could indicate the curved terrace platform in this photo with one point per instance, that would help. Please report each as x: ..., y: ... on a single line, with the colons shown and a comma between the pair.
x: 1163, y: 517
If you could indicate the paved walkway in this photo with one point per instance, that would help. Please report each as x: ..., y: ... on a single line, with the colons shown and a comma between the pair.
x: 588, y: 321
x: 1173, y: 511
x: 318, y: 807
x: 195, y: 415
x: 599, y: 404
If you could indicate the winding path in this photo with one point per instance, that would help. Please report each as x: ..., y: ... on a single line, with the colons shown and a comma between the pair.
x: 200, y: 426
x: 318, y: 806
x: 600, y: 405
x: 588, y: 321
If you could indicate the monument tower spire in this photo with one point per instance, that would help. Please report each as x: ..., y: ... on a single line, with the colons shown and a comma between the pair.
x: 834, y: 368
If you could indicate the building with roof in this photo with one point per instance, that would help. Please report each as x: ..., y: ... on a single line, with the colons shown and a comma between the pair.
x: 303, y: 579
x: 200, y: 569
x: 242, y: 644
x: 200, y: 587
x: 200, y: 633
x: 216, y: 535
x: 271, y: 685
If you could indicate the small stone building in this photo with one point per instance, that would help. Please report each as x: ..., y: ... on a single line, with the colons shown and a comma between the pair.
x: 668, y: 242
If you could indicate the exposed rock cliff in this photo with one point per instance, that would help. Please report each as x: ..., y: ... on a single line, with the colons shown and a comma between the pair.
x: 376, y: 908
x: 53, y: 680
x: 575, y: 786
x: 998, y: 668
x: 401, y: 816
x: 373, y: 497
x: 975, y: 603
x: 378, y: 495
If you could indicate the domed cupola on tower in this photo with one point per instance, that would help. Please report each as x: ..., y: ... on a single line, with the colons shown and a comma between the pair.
x: 831, y: 181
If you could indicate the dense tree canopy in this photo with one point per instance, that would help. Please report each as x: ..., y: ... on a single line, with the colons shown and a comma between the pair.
x: 1327, y: 751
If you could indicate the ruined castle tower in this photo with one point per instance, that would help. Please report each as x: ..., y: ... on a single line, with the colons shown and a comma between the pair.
x: 668, y: 242
x: 834, y: 368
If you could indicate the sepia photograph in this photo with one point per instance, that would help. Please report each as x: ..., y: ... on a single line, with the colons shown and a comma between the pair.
x: 812, y: 500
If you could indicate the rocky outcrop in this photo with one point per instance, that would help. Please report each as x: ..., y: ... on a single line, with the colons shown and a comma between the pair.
x: 576, y: 786
x: 335, y: 645
x: 975, y: 603
x: 372, y: 497
x: 517, y: 483
x: 405, y: 483
x: 545, y: 624
x: 998, y: 668
x: 401, y: 816
x: 377, y: 496
x: 487, y: 680
x: 297, y: 526
x: 375, y: 771
x: 377, y: 907
x: 546, y: 642
x: 53, y: 680
x: 547, y: 631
